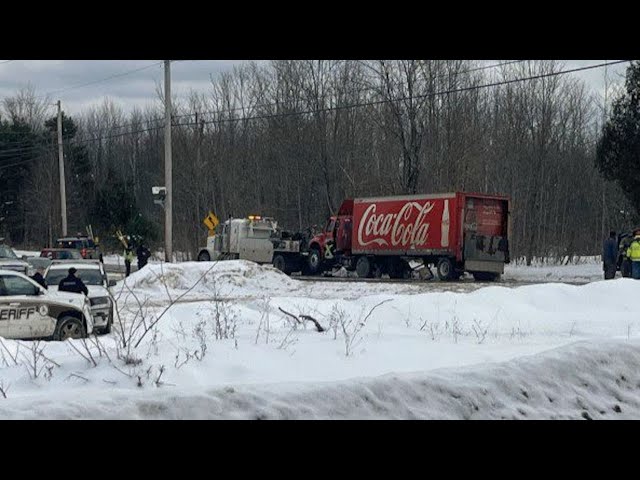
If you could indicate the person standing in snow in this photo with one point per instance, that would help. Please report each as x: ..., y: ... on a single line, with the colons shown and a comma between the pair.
x: 143, y: 254
x: 610, y: 256
x: 128, y: 258
x: 633, y: 253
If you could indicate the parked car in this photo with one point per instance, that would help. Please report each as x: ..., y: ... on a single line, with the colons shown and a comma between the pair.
x: 85, y: 245
x: 93, y: 275
x: 28, y: 311
x: 61, y: 254
x: 10, y: 261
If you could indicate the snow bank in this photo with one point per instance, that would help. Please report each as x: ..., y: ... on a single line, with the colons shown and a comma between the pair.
x: 211, y: 279
x: 487, y: 353
x: 587, y: 380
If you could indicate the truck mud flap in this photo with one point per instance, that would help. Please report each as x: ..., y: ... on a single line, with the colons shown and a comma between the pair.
x: 484, y: 266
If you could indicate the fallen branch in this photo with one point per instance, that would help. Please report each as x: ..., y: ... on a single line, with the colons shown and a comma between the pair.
x: 290, y: 314
x: 319, y: 327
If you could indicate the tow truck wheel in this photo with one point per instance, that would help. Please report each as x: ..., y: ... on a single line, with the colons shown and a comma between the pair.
x: 204, y: 257
x: 313, y: 262
x: 280, y: 263
x: 69, y: 327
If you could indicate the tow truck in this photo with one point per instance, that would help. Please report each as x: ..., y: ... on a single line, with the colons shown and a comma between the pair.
x: 257, y: 239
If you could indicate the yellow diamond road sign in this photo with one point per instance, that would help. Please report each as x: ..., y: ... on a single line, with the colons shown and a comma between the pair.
x: 211, y: 221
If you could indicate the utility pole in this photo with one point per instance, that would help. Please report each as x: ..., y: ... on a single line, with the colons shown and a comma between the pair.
x: 168, y: 203
x: 63, y: 190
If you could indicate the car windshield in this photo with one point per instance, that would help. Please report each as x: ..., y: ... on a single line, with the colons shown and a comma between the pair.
x: 6, y: 252
x: 88, y: 276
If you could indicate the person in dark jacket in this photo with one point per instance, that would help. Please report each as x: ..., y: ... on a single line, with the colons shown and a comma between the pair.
x: 71, y: 283
x: 143, y: 254
x: 128, y: 258
x: 610, y: 256
x: 39, y: 278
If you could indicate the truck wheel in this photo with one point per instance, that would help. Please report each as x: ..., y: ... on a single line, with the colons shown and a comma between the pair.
x: 314, y: 262
x: 204, y: 256
x: 363, y: 267
x: 280, y: 263
x: 486, y: 276
x: 69, y: 327
x: 445, y: 269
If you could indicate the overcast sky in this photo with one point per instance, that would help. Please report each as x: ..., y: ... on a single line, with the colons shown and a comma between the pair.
x: 64, y: 79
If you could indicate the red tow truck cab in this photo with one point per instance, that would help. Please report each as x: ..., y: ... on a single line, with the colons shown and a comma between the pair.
x: 456, y: 232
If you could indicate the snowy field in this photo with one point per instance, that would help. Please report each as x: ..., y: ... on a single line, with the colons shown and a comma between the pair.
x: 226, y: 349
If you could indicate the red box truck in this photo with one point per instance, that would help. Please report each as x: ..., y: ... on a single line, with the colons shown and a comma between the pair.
x: 456, y: 232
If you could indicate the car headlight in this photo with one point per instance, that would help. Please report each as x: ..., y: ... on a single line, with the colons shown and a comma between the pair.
x: 100, y: 301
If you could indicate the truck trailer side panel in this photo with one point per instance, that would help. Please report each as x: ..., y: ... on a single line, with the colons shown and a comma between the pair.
x: 410, y: 225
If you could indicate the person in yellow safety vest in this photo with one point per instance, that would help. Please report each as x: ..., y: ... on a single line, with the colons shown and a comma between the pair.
x: 128, y: 258
x: 633, y: 253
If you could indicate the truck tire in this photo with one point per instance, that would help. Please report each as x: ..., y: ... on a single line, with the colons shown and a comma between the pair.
x: 281, y: 263
x: 445, y: 269
x: 314, y: 262
x: 486, y: 276
x: 204, y: 256
x: 69, y: 327
x: 363, y: 268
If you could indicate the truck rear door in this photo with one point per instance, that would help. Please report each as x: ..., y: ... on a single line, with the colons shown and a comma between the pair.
x: 485, y: 233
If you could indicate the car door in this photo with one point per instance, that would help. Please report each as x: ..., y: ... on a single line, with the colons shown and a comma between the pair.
x: 23, y: 310
x: 8, y: 324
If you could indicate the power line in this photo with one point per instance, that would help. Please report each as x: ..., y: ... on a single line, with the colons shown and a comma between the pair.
x: 118, y: 75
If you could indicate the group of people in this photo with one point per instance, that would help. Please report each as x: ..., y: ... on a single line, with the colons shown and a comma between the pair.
x: 623, y: 254
x: 142, y: 253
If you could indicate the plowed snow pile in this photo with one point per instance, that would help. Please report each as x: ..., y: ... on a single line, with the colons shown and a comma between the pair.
x: 229, y: 347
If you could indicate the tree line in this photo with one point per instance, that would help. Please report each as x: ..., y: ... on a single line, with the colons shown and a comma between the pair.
x: 292, y: 139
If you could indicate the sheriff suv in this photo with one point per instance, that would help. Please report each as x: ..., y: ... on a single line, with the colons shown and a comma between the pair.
x: 28, y: 311
x: 93, y: 275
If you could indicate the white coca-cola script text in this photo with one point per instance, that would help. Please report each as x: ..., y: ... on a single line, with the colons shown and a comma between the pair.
x: 402, y: 231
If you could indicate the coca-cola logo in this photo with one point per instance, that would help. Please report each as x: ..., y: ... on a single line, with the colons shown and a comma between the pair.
x: 403, y: 232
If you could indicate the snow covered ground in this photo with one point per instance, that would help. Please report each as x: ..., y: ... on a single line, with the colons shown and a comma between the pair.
x: 226, y: 349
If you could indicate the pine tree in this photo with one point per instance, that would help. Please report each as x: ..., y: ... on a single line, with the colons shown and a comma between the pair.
x: 618, y: 154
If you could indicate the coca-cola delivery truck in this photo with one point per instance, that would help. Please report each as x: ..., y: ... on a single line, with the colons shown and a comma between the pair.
x: 456, y: 232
